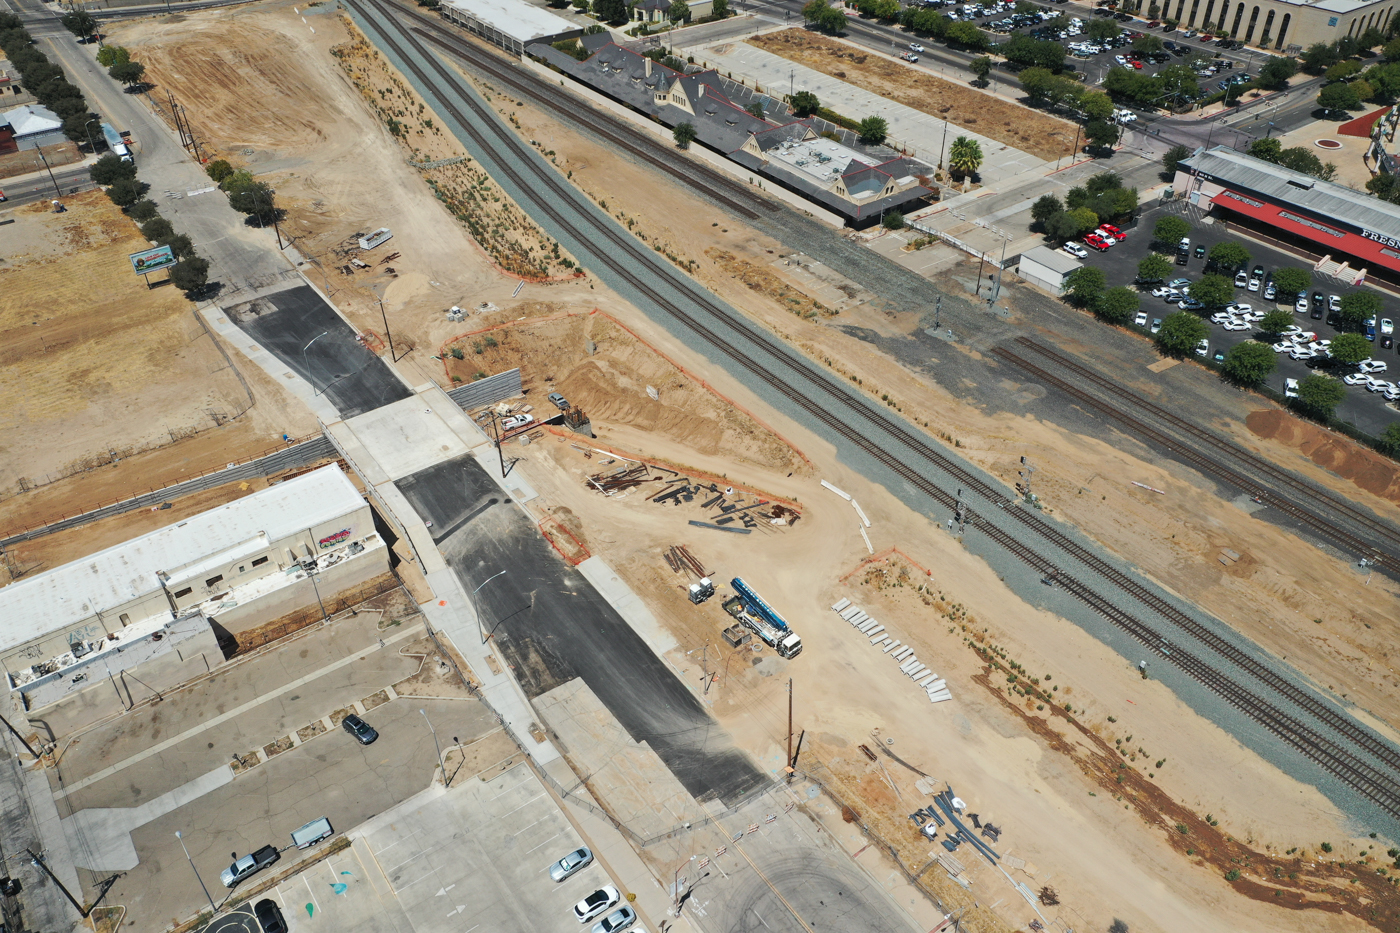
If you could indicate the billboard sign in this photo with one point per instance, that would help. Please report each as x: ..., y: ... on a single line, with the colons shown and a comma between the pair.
x: 149, y: 260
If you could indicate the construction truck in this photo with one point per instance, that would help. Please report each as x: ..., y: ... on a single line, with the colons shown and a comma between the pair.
x: 116, y: 143
x: 762, y: 619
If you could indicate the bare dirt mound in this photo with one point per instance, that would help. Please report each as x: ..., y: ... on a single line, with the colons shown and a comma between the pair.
x: 606, y: 371
x: 1336, y: 452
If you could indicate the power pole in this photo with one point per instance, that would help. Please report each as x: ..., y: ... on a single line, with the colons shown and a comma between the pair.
x: 392, y: 355
x: 788, y: 769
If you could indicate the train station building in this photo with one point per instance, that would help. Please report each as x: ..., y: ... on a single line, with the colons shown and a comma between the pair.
x: 1349, y: 234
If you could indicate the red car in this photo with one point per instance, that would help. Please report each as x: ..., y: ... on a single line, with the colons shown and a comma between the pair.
x: 1154, y: 24
x: 1112, y: 231
x: 1207, y: 37
x: 1094, y: 241
x: 1137, y: 64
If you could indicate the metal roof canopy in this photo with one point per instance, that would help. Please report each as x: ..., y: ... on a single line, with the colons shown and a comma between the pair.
x: 520, y: 21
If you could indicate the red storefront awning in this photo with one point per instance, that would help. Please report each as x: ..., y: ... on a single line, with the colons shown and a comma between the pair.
x: 1372, y: 250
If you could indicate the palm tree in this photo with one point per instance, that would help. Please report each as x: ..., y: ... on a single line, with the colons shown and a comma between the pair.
x: 965, y: 156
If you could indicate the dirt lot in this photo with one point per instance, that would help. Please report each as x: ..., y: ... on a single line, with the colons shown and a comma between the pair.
x: 1006, y: 122
x: 113, y: 367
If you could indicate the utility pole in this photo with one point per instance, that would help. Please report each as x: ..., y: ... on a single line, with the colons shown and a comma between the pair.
x: 56, y: 190
x: 788, y: 769
x: 392, y: 355
x: 496, y: 430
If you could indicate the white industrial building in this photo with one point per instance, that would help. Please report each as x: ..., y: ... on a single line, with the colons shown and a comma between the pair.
x: 34, y: 126
x: 158, y: 605
x: 1047, y: 268
x: 510, y: 24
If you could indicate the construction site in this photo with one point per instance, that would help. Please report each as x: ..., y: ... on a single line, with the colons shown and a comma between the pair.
x: 644, y: 516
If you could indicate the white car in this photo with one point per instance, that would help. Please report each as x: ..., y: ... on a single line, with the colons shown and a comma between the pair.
x: 1221, y: 317
x: 1391, y: 392
x: 1156, y: 324
x: 1172, y: 295
x: 1301, y: 305
x: 1141, y: 319
x: 1107, y: 240
x: 1237, y: 325
x: 1253, y: 317
x: 1354, y: 379
x: 1253, y: 285
x: 1078, y: 252
x: 596, y: 903
x: 1184, y: 244
x: 915, y: 47
x: 1239, y: 307
x: 1125, y: 116
x: 1372, y: 366
x: 1387, y: 327
x: 1203, y: 347
x: 1241, y: 279
x: 1283, y: 346
x: 1291, y: 331
x: 1122, y: 62
x: 1377, y: 384
x: 511, y: 422
x: 1290, y: 388
x: 1334, y: 303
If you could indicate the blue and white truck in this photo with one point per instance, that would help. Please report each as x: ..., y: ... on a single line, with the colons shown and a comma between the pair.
x: 765, y: 622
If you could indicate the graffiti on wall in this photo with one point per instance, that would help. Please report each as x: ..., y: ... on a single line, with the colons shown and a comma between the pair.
x: 339, y: 537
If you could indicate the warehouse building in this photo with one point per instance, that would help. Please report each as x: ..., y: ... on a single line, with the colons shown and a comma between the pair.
x: 1047, y: 268
x: 510, y: 24
x: 159, y: 606
x: 1287, y: 26
x: 1350, y: 233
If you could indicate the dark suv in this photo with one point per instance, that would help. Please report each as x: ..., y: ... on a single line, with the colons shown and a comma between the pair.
x: 362, y: 731
x: 270, y: 916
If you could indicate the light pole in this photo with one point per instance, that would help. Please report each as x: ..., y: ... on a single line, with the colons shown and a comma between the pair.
x: 91, y: 143
x: 304, y: 363
x: 196, y: 871
x: 441, y: 767
x: 484, y: 636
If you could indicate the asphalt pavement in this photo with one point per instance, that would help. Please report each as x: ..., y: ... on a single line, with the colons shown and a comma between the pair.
x: 301, y: 330
x: 552, y: 626
x: 1367, y: 410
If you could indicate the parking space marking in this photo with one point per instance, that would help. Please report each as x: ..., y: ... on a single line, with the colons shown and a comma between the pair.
x: 546, y: 842
x: 307, y: 881
x: 392, y: 844
x: 525, y: 804
x: 416, y: 880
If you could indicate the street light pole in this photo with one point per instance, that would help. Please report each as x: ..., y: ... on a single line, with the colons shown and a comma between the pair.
x: 484, y: 635
x: 441, y: 767
x: 304, y: 363
x: 196, y: 871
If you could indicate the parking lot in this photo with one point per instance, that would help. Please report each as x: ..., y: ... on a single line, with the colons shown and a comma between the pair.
x: 1367, y: 410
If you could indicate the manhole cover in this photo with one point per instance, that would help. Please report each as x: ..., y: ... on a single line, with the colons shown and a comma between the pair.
x: 1327, y: 144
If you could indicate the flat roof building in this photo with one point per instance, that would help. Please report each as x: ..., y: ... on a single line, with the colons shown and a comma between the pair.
x: 1286, y: 26
x: 510, y: 24
x: 1047, y: 268
x: 1334, y: 222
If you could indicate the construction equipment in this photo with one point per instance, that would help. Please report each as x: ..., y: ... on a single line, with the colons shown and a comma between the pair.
x: 699, y: 592
x: 765, y: 622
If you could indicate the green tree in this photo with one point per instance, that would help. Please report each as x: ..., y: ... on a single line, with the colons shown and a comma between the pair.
x: 1036, y: 82
x: 129, y: 73
x: 873, y: 130
x: 1084, y: 219
x: 965, y: 156
x: 156, y: 229
x: 1170, y: 230
x: 125, y: 192
x: 1154, y: 267
x: 1228, y: 255
x: 179, y: 244
x: 142, y: 211
x: 1338, y: 98
x: 719, y: 9
x: 1266, y: 149
x: 75, y: 127
x: 1180, y: 333
x: 1350, y: 349
x: 1358, y: 306
x: 684, y: 134
x: 968, y: 36
x: 111, y: 167
x: 1179, y: 82
x: 256, y: 200
x: 980, y: 66
x: 1390, y: 440
x: 1101, y: 30
x: 755, y: 110
x: 1117, y: 305
x: 610, y: 11
x: 679, y: 12
x: 1174, y: 157
x: 1213, y: 291
x: 1096, y: 105
x: 1101, y: 133
x: 1248, y: 364
x: 1084, y: 285
x: 1391, y: 52
x: 893, y: 220
x: 1318, y: 57
x: 1291, y: 280
x: 1371, y: 38
x: 110, y: 55
x: 1342, y: 71
x: 218, y: 170
x: 80, y: 23
x: 1300, y: 159
x: 805, y: 103
x: 1275, y: 322
x: 1061, y: 227
x: 1319, y: 396
x: 1147, y: 44
x: 190, y: 275
x: 1045, y: 207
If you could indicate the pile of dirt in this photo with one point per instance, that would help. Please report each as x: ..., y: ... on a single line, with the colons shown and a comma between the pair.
x: 759, y: 279
x: 990, y: 116
x: 1336, y: 452
x: 606, y: 371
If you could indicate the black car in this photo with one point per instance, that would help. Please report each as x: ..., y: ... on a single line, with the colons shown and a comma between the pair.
x: 1200, y: 251
x: 1387, y: 341
x: 270, y: 916
x: 1181, y: 257
x: 1317, y: 300
x: 1316, y: 314
x: 362, y: 731
x: 1333, y: 319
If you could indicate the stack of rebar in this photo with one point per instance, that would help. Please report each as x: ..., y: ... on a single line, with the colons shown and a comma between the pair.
x: 619, y: 479
x: 680, y: 560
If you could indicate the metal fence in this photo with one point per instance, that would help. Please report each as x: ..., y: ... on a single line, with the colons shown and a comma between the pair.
x: 487, y: 391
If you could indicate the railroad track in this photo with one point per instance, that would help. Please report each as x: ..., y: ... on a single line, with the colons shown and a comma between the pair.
x: 1031, y: 539
x: 1211, y: 467
x: 1386, y: 534
x: 733, y: 194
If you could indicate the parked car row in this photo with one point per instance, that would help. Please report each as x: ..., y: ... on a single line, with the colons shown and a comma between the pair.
x: 600, y: 902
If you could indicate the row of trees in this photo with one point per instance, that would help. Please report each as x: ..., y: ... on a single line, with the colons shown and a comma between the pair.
x: 245, y: 193
x: 119, y: 65
x: 1101, y: 198
x: 924, y: 22
x: 119, y: 178
x: 43, y: 78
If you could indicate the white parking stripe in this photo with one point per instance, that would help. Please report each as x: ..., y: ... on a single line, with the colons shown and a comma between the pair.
x: 311, y: 892
x: 523, y: 805
x: 550, y: 839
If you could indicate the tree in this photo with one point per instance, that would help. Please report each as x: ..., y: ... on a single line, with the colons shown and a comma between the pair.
x: 1170, y: 230
x: 1179, y: 82
x: 1096, y: 105
x: 179, y: 244
x: 1391, y: 52
x: 1061, y: 227
x: 965, y: 156
x: 805, y: 103
x: 1228, y: 256
x: 819, y: 13
x: 1180, y: 333
x: 1154, y: 267
x: 142, y: 211
x: 1338, y: 98
x: 1084, y: 219
x: 894, y: 220
x: 873, y: 130
x: 80, y: 23
x: 156, y: 229
x: 1117, y: 305
x: 1342, y: 71
x: 1390, y: 440
x: 129, y: 73
x: 981, y: 67
x: 1084, y: 285
x: 1300, y: 159
x: 1371, y: 38
x: 968, y: 36
x: 1266, y: 149
x: 110, y: 55
x: 1044, y: 208
x: 1248, y: 364
x: 1147, y: 44
x: 75, y: 127
x: 1319, y: 56
x: 755, y: 110
x: 1117, y: 926
x: 255, y: 200
x: 1213, y: 291
x: 1350, y: 349
x: 1275, y: 322
x: 1291, y: 280
x: 111, y: 167
x: 218, y: 170
x: 679, y: 12
x: 1319, y: 396
x: 719, y: 9
x: 125, y: 192
x: 1101, y: 133
x: 1035, y: 82
x: 610, y: 11
x: 190, y: 275
x: 1173, y: 158
x: 684, y: 134
x: 1358, y: 306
